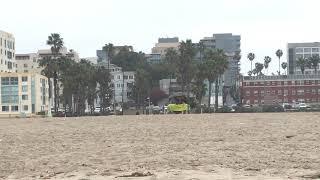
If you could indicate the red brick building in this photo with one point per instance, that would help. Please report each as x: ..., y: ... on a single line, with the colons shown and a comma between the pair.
x: 260, y: 90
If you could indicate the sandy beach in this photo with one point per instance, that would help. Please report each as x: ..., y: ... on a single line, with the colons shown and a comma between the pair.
x: 162, y: 147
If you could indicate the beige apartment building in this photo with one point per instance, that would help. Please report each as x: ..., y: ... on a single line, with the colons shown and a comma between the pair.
x: 23, y: 94
x: 7, y: 52
x: 164, y: 44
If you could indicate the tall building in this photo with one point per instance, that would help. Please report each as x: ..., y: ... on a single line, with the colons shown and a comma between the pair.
x: 23, y: 93
x: 7, y: 52
x: 164, y: 44
x: 298, y: 50
x: 230, y: 44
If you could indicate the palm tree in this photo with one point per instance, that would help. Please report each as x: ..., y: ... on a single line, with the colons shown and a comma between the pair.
x: 201, y: 50
x: 302, y: 63
x: 284, y: 66
x: 56, y: 43
x: 216, y: 63
x: 259, y: 68
x: 251, y: 57
x: 279, y: 53
x: 267, y: 60
x: 199, y: 87
x: 52, y: 67
x: 171, y: 57
x: 184, y: 65
x: 109, y: 48
x: 313, y: 62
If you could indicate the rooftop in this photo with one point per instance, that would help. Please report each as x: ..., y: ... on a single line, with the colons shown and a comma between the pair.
x: 282, y: 77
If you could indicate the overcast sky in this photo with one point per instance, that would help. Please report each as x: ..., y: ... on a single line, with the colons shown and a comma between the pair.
x: 86, y: 25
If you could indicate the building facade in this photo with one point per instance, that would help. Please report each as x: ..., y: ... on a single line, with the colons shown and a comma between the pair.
x: 230, y: 44
x: 154, y: 58
x: 260, y: 90
x: 28, y: 63
x: 164, y: 44
x: 7, y: 52
x: 301, y: 50
x: 23, y: 93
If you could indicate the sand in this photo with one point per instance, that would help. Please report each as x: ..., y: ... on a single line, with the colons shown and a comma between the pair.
x: 162, y: 147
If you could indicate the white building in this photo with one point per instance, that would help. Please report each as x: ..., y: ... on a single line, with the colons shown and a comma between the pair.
x: 28, y: 63
x: 23, y: 93
x: 7, y: 52
x: 63, y: 51
x: 301, y: 50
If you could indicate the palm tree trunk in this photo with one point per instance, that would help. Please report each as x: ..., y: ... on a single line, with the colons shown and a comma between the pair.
x: 279, y: 66
x: 209, y: 99
x: 216, y: 95
x: 55, y: 79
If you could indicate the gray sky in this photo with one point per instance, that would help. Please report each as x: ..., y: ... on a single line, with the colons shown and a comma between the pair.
x: 265, y: 25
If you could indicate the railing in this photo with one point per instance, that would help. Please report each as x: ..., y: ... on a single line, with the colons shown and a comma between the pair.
x: 282, y: 77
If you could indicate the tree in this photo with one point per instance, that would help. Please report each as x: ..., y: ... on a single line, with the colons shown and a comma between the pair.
x: 302, y: 63
x: 267, y: 60
x: 56, y: 43
x: 141, y: 87
x: 284, y: 66
x: 198, y: 85
x: 258, y: 68
x: 313, y: 62
x: 250, y: 73
x: 109, y: 49
x: 279, y: 53
x: 157, y: 95
x: 184, y: 65
x: 216, y: 63
x: 251, y: 57
x: 105, y: 90
x: 201, y: 49
x: 171, y: 57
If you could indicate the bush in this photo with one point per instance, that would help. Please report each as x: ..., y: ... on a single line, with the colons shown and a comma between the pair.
x: 272, y: 108
x: 224, y: 109
x: 42, y: 113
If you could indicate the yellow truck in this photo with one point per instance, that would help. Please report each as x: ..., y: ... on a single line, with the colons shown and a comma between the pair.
x: 178, y: 104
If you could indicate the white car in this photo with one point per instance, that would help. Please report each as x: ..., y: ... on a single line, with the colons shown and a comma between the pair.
x: 97, y: 109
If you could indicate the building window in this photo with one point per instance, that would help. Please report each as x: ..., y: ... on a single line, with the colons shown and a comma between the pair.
x: 5, y: 108
x: 24, y: 97
x: 24, y: 79
x: 285, y: 92
x: 118, y: 77
x: 273, y: 92
x: 130, y: 77
x: 14, y: 108
x: 293, y: 92
x: 125, y: 77
x: 24, y: 88
x: 285, y: 83
x: 279, y: 92
x: 25, y: 65
x: 247, y: 93
x: 25, y: 107
x: 300, y: 92
x: 262, y: 92
x: 256, y: 93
